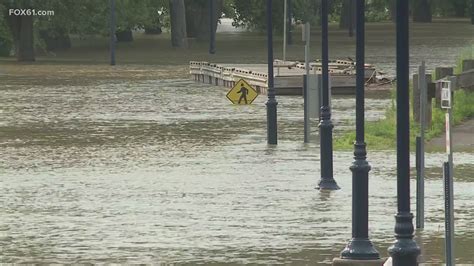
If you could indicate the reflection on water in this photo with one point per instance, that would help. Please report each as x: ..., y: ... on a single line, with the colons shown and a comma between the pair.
x: 170, y: 171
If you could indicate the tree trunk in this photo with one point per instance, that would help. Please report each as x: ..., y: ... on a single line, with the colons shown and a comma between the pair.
x: 422, y: 11
x: 178, y: 23
x: 460, y: 8
x: 124, y: 36
x: 348, y: 14
x: 472, y: 12
x: 22, y: 31
x: 57, y: 41
x: 393, y: 10
x: 155, y: 28
x: 197, y: 18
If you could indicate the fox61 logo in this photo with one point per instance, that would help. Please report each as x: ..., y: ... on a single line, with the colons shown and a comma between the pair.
x: 29, y: 12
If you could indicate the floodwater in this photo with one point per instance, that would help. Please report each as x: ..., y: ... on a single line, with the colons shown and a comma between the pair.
x: 137, y: 164
x: 169, y: 171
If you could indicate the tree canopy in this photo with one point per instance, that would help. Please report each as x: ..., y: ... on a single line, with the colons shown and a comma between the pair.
x: 91, y: 17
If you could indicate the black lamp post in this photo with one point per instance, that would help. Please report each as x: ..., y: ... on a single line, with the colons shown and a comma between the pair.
x: 112, y: 32
x: 325, y: 125
x: 404, y: 251
x: 212, y: 32
x: 271, y: 102
x: 360, y: 247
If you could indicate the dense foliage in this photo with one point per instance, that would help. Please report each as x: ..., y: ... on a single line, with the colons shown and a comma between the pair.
x: 91, y: 17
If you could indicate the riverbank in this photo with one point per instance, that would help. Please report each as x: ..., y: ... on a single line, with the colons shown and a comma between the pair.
x: 381, y: 134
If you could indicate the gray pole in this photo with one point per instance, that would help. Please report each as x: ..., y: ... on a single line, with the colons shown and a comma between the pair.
x: 285, y: 15
x: 290, y: 15
x: 420, y: 186
x: 112, y: 32
x: 327, y: 181
x: 404, y: 251
x: 271, y: 102
x: 307, y: 126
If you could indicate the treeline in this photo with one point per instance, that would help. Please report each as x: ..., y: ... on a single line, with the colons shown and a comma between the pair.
x: 185, y: 19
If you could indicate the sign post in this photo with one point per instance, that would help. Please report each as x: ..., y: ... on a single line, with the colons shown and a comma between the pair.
x: 447, y: 103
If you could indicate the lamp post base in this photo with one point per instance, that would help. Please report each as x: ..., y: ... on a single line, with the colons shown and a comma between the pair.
x: 349, y: 262
x: 327, y: 184
x: 360, y: 249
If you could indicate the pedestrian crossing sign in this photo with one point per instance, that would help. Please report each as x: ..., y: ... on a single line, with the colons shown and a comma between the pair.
x: 242, y: 93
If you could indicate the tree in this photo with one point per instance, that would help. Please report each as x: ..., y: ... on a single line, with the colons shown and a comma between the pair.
x: 422, y: 11
x: 178, y: 23
x: 348, y: 14
x: 197, y: 18
x: 460, y: 7
x: 21, y: 28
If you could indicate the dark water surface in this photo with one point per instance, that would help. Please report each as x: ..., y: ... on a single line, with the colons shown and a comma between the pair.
x: 169, y: 171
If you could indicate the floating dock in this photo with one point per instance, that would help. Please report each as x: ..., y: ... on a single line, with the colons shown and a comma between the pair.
x: 288, y: 77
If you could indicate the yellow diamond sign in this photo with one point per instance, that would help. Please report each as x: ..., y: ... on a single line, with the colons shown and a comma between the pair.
x: 242, y: 93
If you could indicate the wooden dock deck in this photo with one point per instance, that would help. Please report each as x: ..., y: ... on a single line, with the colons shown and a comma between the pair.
x: 288, y: 75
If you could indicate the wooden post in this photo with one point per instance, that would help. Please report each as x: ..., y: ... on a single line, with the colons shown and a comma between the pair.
x: 416, y: 97
x: 467, y: 64
x: 442, y: 72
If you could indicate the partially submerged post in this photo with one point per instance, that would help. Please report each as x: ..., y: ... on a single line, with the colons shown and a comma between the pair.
x: 325, y: 125
x: 420, y: 183
x: 271, y: 102
x: 404, y: 251
x: 448, y: 171
x: 360, y: 247
x: 306, y: 39
x: 112, y: 32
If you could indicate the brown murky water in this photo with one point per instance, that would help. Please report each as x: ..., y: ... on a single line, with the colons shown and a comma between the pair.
x: 139, y: 165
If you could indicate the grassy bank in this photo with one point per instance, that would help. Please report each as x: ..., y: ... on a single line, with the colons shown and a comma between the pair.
x: 381, y: 135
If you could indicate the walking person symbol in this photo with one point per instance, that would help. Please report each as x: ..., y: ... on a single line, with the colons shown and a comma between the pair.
x: 243, y: 91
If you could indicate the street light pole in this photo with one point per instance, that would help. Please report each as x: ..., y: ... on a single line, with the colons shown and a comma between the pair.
x: 325, y: 125
x: 212, y: 33
x: 360, y: 247
x: 271, y: 102
x: 404, y: 251
x: 112, y: 32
